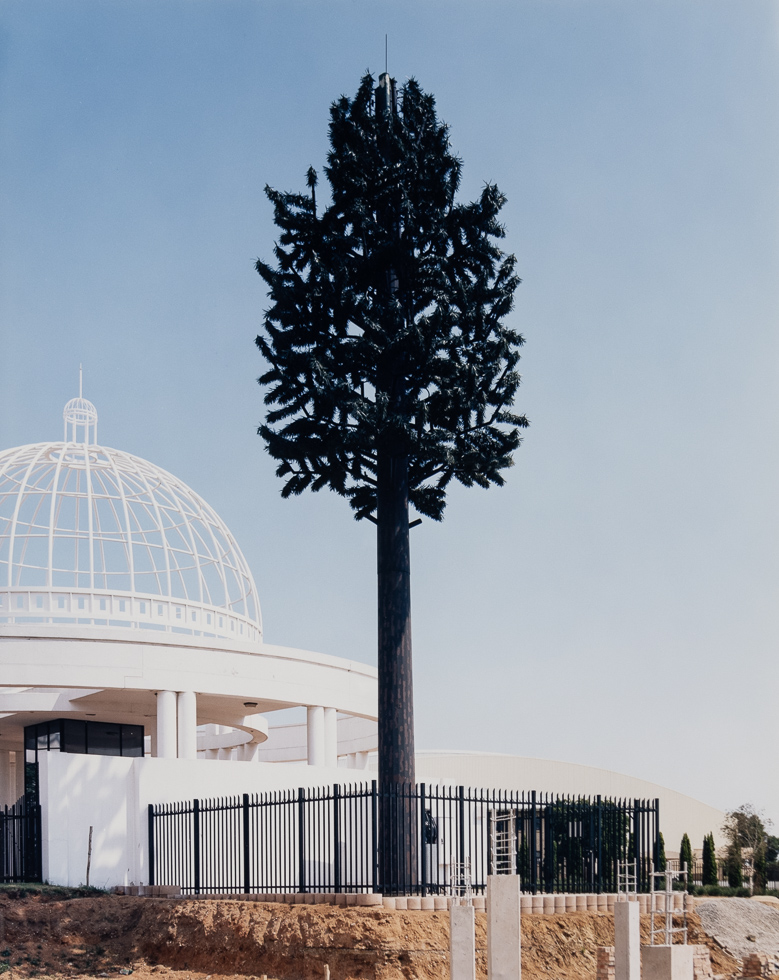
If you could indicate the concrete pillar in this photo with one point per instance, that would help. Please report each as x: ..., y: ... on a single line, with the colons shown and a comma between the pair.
x: 331, y: 737
x: 504, y: 936
x: 667, y: 962
x: 362, y: 760
x: 212, y: 753
x: 462, y: 942
x: 166, y: 725
x: 315, y: 736
x: 186, y: 703
x: 6, y: 787
x: 627, y: 941
x: 224, y: 754
x: 250, y: 751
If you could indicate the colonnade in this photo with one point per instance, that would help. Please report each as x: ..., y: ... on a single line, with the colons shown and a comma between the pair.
x: 176, y: 725
x: 322, y: 736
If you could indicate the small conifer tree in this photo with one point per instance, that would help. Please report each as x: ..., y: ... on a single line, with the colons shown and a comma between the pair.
x: 735, y: 866
x: 685, y: 859
x: 661, y: 859
x: 710, y: 875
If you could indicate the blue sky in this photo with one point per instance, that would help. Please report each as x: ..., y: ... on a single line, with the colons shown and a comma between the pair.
x: 616, y: 603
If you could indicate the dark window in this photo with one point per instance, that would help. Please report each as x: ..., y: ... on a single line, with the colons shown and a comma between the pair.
x: 132, y: 740
x: 74, y: 736
x: 83, y: 738
x: 103, y: 738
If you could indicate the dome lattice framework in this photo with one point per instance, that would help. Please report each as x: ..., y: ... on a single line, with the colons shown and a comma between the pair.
x: 96, y: 536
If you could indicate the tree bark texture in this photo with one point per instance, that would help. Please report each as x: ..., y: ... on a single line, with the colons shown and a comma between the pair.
x: 396, y: 694
x: 397, y: 807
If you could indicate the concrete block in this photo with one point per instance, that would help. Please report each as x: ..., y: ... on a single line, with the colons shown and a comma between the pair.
x: 526, y: 904
x: 548, y: 904
x: 610, y: 902
x: 538, y: 904
x: 570, y: 903
x: 414, y: 902
x: 559, y: 904
x: 365, y: 899
x: 592, y: 903
x: 440, y: 903
x: 341, y: 899
x: 667, y: 962
x: 462, y: 942
x: 581, y: 903
x: 401, y: 903
x: 627, y: 941
x: 504, y: 936
x: 388, y: 902
x: 479, y: 903
x: 428, y: 903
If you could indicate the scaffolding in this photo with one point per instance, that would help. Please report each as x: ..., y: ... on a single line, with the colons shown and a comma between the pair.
x: 662, y: 920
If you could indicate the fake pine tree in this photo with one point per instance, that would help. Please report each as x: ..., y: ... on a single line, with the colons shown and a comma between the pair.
x: 391, y: 368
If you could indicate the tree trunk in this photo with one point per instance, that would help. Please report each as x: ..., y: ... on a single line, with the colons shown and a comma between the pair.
x: 397, y: 815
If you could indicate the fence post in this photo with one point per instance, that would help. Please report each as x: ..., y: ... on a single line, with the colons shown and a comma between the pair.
x: 461, y: 813
x: 301, y: 839
x: 337, y: 837
x: 423, y: 837
x: 375, y: 835
x: 246, y: 863
x: 196, y: 843
x: 151, y: 844
x: 656, y: 830
x: 637, y: 849
x: 599, y: 879
x: 533, y: 843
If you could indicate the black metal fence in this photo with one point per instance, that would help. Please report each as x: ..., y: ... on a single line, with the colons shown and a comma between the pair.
x: 20, y: 842
x: 327, y: 839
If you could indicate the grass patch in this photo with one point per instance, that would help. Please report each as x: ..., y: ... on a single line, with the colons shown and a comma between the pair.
x: 54, y: 892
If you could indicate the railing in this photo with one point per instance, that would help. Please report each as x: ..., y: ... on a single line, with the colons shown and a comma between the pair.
x: 328, y: 840
x: 20, y: 842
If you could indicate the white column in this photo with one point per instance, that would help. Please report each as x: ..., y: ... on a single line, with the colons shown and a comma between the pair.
x: 462, y: 942
x: 627, y: 941
x: 361, y: 760
x: 315, y: 736
x: 331, y: 738
x: 504, y: 935
x: 166, y: 725
x: 187, y: 724
x: 6, y: 791
x: 250, y: 751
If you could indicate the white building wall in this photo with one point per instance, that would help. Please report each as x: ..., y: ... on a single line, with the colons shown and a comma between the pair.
x: 679, y: 814
x: 113, y: 794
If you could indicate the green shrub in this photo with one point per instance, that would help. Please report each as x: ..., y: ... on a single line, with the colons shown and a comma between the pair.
x: 685, y: 858
x: 710, y: 876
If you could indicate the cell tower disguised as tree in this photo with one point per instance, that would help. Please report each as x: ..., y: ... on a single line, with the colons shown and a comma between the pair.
x: 392, y: 370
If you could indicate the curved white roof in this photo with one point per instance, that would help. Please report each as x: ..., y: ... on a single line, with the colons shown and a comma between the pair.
x: 96, y: 536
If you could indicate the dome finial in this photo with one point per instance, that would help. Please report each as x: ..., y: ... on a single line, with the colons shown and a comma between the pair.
x: 80, y: 414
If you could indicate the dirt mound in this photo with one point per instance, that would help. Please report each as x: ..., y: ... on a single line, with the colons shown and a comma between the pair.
x: 115, y: 935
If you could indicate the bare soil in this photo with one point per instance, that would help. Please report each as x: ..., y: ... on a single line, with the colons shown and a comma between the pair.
x: 162, y: 939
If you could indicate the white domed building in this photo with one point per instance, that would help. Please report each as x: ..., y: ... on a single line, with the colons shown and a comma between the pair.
x: 131, y: 653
